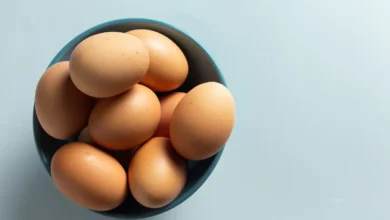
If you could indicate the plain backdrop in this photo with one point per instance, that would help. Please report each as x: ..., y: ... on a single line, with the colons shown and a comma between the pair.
x: 311, y: 80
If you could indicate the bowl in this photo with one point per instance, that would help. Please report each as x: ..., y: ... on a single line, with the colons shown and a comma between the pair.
x: 202, y: 69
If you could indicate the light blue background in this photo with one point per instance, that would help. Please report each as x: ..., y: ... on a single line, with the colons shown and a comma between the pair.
x: 311, y: 79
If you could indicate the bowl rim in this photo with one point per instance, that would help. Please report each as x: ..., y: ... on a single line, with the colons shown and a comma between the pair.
x: 185, y: 195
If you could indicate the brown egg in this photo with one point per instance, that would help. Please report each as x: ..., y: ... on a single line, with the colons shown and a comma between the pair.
x: 61, y: 108
x: 168, y: 66
x: 89, y: 177
x: 168, y: 104
x: 108, y: 64
x: 203, y: 121
x: 125, y: 121
x: 157, y: 174
x: 123, y: 156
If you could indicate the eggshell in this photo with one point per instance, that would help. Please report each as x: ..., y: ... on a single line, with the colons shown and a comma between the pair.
x: 168, y: 104
x: 89, y: 177
x: 125, y: 121
x: 203, y: 121
x: 107, y: 64
x: 123, y: 156
x: 62, y: 110
x: 157, y: 174
x: 168, y: 66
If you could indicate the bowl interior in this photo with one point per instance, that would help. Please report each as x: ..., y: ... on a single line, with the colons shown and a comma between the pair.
x: 202, y: 69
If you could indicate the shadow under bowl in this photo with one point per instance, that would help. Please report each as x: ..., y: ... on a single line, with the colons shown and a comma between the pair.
x: 201, y: 69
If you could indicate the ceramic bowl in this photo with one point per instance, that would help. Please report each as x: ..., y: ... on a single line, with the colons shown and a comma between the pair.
x: 202, y: 69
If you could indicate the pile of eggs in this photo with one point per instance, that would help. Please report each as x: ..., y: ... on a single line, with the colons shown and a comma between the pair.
x: 131, y: 139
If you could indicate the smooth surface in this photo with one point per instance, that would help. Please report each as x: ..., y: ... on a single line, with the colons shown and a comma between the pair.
x: 311, y: 83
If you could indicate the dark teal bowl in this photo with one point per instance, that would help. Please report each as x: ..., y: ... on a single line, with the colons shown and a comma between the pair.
x: 202, y: 69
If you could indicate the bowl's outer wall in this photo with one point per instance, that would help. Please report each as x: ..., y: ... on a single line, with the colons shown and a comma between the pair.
x: 202, y: 69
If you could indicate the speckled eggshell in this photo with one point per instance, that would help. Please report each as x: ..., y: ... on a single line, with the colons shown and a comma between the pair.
x: 62, y: 110
x: 157, y: 174
x: 127, y: 120
x: 202, y: 121
x: 168, y: 66
x: 89, y: 177
x: 109, y: 63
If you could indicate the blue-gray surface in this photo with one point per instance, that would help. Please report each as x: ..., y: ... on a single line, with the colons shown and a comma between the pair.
x: 311, y: 82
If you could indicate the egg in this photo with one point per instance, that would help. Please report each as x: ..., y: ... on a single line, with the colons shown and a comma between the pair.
x: 157, y: 174
x: 202, y: 121
x: 89, y: 177
x: 168, y: 66
x: 61, y: 109
x: 109, y: 63
x: 127, y: 120
x: 168, y: 104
